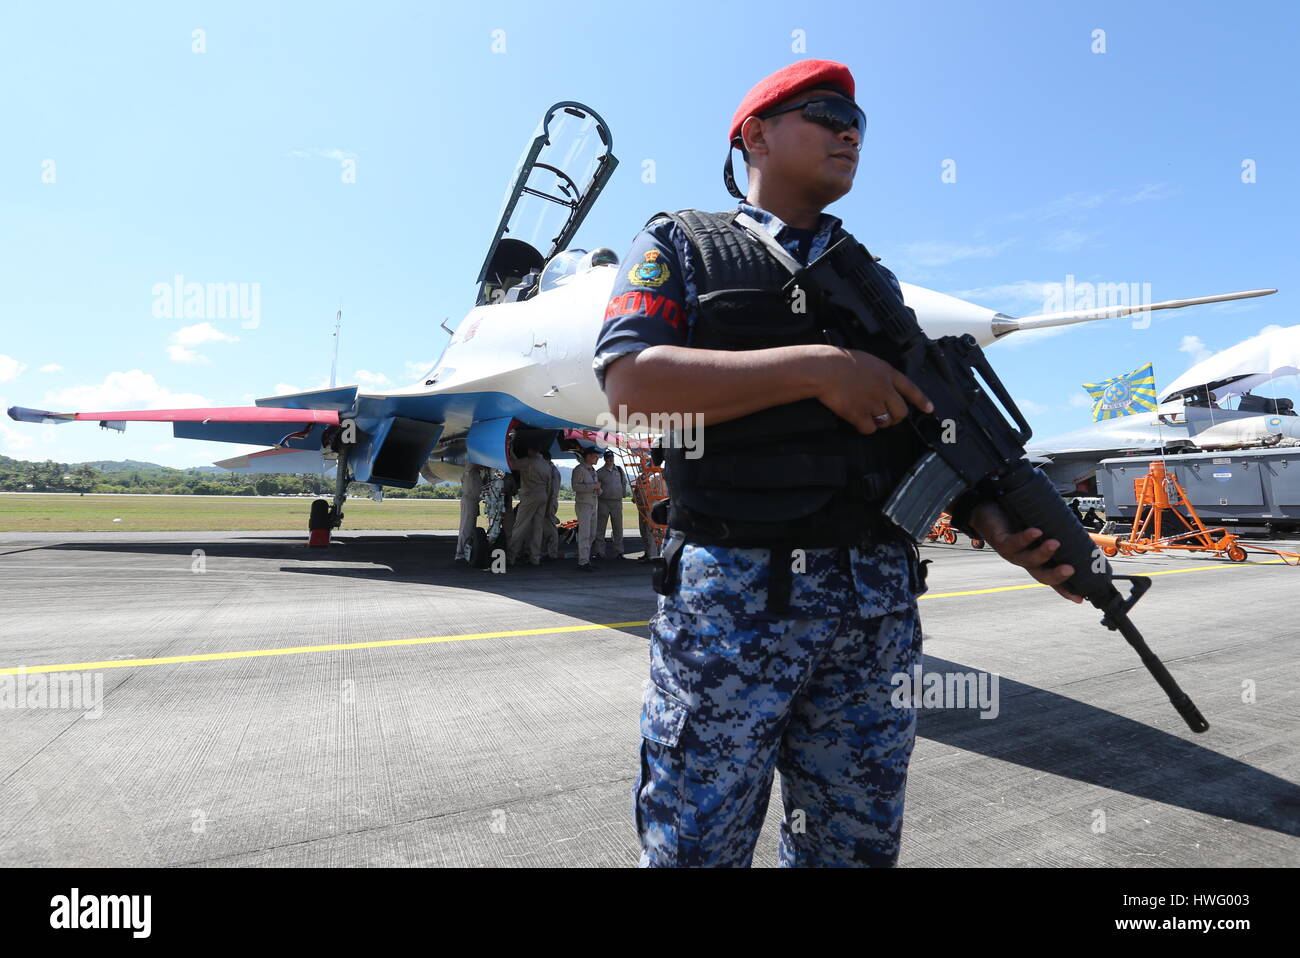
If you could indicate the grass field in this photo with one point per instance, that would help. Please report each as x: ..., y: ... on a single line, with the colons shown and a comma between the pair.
x: 72, y: 513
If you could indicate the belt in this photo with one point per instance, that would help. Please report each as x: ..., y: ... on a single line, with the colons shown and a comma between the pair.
x: 780, y: 566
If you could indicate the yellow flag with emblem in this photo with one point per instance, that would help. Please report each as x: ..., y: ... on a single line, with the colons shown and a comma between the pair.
x: 1123, y: 395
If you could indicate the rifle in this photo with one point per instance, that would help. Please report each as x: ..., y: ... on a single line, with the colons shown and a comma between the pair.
x: 970, y: 449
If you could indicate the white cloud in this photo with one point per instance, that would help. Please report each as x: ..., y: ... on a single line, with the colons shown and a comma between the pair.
x: 365, y: 377
x: 1027, y: 295
x: 286, y: 389
x: 1193, y: 346
x: 1075, y: 204
x: 1030, y: 407
x: 201, y: 333
x: 1067, y: 240
x: 1237, y: 306
x: 15, y: 441
x: 1153, y: 191
x: 180, y: 352
x: 134, y: 389
x: 330, y: 153
x: 417, y: 370
x: 1080, y: 401
x: 10, y: 368
x: 164, y: 446
x: 941, y: 253
x: 51, y: 368
x: 1068, y: 204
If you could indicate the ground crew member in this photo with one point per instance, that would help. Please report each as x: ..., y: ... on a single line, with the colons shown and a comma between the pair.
x: 586, y: 490
x: 550, y: 535
x: 534, y: 497
x: 786, y: 602
x: 609, y: 507
x: 471, y: 490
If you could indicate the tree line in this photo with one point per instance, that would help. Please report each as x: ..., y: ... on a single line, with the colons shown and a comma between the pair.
x: 17, y: 475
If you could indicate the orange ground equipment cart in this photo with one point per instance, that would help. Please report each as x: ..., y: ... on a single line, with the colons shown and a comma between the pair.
x: 1159, y: 492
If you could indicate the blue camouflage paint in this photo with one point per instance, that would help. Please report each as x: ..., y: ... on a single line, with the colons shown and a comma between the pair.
x: 735, y: 693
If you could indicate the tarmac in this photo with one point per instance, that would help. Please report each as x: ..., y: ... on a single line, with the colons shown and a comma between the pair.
x: 265, y: 704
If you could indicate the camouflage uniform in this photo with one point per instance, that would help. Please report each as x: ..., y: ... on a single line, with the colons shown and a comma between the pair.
x: 735, y: 692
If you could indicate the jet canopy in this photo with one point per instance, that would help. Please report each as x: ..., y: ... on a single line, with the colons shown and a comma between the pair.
x: 1272, y: 355
x: 559, y: 176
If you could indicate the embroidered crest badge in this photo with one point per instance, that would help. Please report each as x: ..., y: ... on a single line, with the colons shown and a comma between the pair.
x: 649, y: 272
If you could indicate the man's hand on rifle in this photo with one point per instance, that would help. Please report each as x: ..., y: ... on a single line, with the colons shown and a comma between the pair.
x: 866, y: 390
x: 993, y: 526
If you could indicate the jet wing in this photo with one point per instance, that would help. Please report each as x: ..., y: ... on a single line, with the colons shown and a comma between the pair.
x: 293, y: 432
x: 293, y: 420
x: 278, y: 460
x: 241, y: 414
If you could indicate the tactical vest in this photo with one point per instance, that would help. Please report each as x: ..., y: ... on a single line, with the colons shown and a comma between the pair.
x: 794, y: 475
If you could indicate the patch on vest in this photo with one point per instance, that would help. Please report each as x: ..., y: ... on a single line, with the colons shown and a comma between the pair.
x: 649, y: 272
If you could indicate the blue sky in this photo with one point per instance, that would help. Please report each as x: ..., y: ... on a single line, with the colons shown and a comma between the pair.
x: 229, y: 166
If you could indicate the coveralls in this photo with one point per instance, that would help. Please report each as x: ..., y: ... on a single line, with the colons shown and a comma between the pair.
x: 534, y: 496
x: 471, y: 490
x: 609, y: 508
x: 586, y: 489
x: 550, y: 537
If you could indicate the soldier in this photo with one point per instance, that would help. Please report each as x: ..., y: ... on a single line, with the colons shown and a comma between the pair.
x: 609, y: 507
x: 471, y: 490
x: 550, y: 537
x: 787, y: 602
x: 534, y: 497
x: 586, y: 490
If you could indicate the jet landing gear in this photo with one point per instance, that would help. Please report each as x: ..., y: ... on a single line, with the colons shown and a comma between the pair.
x: 327, y: 516
x: 496, y: 506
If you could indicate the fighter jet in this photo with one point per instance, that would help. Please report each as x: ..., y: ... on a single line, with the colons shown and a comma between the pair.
x: 519, y: 364
x: 1193, y: 415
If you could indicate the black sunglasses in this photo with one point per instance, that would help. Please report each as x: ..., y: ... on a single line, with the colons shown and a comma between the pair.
x: 834, y: 113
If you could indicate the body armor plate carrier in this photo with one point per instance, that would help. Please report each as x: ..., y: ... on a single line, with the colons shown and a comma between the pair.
x: 794, y: 475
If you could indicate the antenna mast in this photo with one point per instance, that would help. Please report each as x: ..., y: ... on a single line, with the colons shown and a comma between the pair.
x: 334, y: 364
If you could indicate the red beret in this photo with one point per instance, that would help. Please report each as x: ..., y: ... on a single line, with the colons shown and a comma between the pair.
x: 786, y: 82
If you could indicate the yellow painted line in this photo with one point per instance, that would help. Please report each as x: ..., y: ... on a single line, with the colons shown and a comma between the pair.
x: 434, y: 639
x: 303, y: 649
x: 1039, y: 585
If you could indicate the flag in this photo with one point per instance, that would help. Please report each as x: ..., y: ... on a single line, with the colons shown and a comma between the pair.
x: 1123, y: 395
